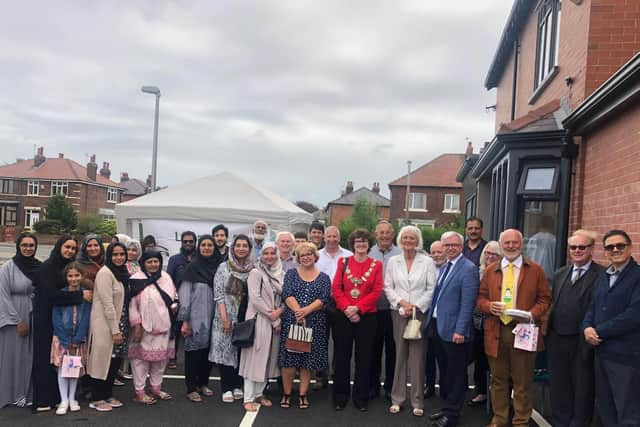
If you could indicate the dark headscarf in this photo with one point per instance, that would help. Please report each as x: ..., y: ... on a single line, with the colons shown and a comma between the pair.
x: 84, y: 258
x: 28, y: 265
x: 202, y: 268
x: 51, y: 272
x: 120, y: 272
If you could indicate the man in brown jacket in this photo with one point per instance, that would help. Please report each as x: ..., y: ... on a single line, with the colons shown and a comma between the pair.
x: 518, y: 283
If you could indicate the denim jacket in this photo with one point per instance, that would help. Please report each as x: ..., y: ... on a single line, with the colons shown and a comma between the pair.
x: 63, y: 326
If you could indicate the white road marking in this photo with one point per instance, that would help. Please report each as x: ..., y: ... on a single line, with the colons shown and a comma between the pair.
x: 539, y: 419
x: 249, y: 418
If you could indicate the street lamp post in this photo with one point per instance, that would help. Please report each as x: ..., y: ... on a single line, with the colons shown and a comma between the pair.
x: 154, y: 161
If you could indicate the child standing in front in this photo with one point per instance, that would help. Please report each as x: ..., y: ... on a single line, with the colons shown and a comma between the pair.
x: 70, y: 328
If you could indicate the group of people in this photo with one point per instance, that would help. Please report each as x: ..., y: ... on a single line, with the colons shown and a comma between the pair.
x: 465, y: 300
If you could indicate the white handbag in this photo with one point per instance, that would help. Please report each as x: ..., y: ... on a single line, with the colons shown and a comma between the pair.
x: 412, y: 330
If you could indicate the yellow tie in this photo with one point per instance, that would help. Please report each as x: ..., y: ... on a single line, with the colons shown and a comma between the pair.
x: 508, y: 286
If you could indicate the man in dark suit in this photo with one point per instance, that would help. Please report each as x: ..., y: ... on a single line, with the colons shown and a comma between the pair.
x: 449, y: 322
x: 612, y: 326
x: 570, y: 358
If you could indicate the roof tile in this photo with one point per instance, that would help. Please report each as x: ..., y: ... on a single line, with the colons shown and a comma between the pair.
x: 439, y: 172
x: 53, y: 168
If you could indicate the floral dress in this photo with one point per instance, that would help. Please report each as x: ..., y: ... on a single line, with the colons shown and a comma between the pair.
x: 305, y: 293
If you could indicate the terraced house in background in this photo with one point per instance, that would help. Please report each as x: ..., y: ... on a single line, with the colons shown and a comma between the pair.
x: 27, y: 185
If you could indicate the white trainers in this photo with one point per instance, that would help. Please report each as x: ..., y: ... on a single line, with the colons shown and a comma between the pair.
x: 237, y: 394
x: 74, y: 406
x: 62, y: 408
x: 227, y: 397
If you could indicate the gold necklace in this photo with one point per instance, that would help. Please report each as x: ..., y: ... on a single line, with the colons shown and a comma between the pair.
x: 357, y: 281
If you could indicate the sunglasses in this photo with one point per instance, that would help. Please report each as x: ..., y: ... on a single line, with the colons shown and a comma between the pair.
x: 580, y: 247
x: 617, y: 246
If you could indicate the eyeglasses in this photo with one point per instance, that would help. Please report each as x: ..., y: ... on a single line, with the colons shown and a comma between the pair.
x: 487, y: 253
x: 306, y: 255
x: 27, y: 245
x: 580, y: 247
x: 617, y: 246
x: 451, y: 245
x: 188, y: 241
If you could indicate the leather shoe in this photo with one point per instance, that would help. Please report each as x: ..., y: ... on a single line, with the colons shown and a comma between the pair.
x: 437, y: 415
x: 429, y: 392
x: 473, y: 403
x: 445, y: 422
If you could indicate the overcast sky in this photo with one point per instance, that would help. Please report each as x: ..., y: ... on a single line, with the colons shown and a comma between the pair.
x: 297, y: 96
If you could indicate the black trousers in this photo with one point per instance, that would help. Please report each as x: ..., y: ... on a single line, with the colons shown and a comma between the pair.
x: 197, y: 369
x: 103, y: 389
x: 383, y: 339
x: 453, y: 378
x: 345, y: 334
x: 430, y: 364
x: 229, y: 378
x: 481, y: 367
x: 571, y: 380
x: 178, y: 338
x: 616, y: 398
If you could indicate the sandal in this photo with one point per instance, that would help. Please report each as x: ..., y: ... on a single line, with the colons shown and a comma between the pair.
x: 394, y: 409
x: 417, y: 412
x: 206, y: 391
x: 162, y: 395
x: 264, y: 401
x: 194, y: 397
x: 285, y: 402
x: 144, y: 399
x: 250, y: 407
x: 303, y: 402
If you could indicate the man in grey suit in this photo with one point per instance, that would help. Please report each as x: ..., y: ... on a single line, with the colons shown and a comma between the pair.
x: 570, y: 358
x: 449, y: 322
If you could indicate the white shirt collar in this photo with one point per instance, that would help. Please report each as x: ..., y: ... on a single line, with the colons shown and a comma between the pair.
x: 453, y: 261
x: 583, y: 268
x: 516, y: 262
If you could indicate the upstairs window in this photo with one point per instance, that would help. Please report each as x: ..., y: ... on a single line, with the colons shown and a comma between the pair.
x: 417, y: 202
x: 451, y: 203
x: 6, y: 186
x: 59, y: 187
x: 547, y: 43
x: 33, y: 188
x: 112, y: 195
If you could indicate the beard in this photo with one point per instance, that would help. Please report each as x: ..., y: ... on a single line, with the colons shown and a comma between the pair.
x: 259, y: 236
x: 219, y: 246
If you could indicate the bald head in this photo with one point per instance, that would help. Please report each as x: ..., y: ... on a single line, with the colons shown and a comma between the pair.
x: 511, y: 243
x: 437, y: 253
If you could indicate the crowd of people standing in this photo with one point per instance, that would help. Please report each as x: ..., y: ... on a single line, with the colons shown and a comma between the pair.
x: 394, y: 312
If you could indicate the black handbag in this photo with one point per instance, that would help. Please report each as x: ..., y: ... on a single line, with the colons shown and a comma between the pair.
x: 243, y: 333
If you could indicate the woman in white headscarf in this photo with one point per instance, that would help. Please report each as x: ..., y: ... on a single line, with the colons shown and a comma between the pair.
x: 259, y: 362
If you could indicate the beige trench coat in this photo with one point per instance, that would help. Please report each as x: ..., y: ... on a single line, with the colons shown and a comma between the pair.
x: 106, y: 309
x: 260, y: 362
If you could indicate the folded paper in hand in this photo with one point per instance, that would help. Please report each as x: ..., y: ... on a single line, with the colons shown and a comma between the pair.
x: 519, y: 314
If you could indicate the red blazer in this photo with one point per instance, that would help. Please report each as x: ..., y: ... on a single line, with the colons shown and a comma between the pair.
x: 533, y: 295
x: 370, y: 290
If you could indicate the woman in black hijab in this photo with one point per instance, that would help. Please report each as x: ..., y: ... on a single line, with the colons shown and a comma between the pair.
x: 48, y: 285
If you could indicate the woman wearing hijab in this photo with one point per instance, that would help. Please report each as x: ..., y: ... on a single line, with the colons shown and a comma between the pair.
x: 16, y: 342
x: 259, y: 362
x: 91, y: 259
x: 152, y: 316
x: 134, y: 251
x: 230, y: 296
x: 50, y: 280
x: 108, y: 328
x: 196, y: 313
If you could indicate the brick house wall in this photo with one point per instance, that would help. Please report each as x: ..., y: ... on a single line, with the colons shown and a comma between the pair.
x: 605, y: 196
x: 435, y: 203
x: 338, y: 213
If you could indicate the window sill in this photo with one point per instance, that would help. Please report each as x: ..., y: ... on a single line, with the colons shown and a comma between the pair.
x: 416, y: 210
x: 543, y: 85
x: 451, y: 211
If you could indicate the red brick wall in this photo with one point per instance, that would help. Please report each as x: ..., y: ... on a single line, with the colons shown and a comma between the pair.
x: 611, y: 181
x: 614, y: 37
x: 435, y: 203
x: 338, y: 213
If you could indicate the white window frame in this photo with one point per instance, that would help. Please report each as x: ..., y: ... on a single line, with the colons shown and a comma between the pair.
x: 31, y: 186
x: 548, y: 38
x: 60, y: 187
x: 112, y: 195
x: 28, y: 216
x: 412, y: 202
x: 451, y: 209
x: 8, y: 215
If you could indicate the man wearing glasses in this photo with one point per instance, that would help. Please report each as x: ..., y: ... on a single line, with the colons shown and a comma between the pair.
x: 612, y: 327
x: 570, y: 358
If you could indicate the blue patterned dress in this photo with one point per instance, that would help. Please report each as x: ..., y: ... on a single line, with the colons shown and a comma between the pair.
x: 305, y: 293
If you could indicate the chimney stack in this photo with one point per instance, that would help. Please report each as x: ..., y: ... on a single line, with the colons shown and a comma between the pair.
x: 349, y: 187
x: 124, y: 176
x: 149, y: 190
x: 105, y: 172
x: 61, y: 155
x: 376, y: 187
x: 469, y: 148
x: 39, y: 158
x: 92, y: 168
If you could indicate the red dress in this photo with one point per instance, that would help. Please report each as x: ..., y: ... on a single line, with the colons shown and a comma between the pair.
x: 363, y: 295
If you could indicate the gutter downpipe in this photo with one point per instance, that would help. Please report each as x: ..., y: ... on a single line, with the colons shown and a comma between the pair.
x: 514, y: 86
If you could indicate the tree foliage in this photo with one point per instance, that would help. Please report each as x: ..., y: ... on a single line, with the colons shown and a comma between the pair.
x: 364, y: 215
x: 306, y: 206
x: 94, y: 224
x: 59, y: 209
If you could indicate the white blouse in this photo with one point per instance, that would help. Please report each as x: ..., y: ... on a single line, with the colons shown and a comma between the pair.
x: 415, y: 287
